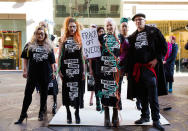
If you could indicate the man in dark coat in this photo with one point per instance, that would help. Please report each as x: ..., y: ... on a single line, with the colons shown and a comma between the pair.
x: 145, y: 69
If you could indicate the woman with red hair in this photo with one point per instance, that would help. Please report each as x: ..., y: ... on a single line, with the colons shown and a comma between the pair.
x: 71, y: 68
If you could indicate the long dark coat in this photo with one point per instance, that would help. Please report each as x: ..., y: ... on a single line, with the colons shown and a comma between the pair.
x: 159, y: 47
x: 170, y: 62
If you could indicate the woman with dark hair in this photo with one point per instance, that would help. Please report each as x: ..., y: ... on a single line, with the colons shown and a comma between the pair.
x: 71, y: 68
x: 95, y: 71
x: 38, y: 57
x: 100, y: 30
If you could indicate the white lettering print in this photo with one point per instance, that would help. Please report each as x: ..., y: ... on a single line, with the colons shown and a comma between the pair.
x: 71, y: 48
x: 40, y: 57
x: 107, y: 82
x: 73, y: 95
x: 108, y: 70
x: 107, y: 58
x: 74, y: 89
x: 73, y: 66
x: 109, y: 88
x: 39, y: 49
x: 39, y: 54
x: 108, y: 93
x: 141, y: 40
x: 68, y: 61
x: 69, y: 84
x: 71, y: 72
x: 73, y: 86
x: 109, y: 63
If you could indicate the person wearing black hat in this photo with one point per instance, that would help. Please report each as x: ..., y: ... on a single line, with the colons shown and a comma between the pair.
x: 147, y: 47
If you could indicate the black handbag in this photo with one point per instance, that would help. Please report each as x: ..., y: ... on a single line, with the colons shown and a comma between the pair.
x: 90, y: 82
x: 53, y: 87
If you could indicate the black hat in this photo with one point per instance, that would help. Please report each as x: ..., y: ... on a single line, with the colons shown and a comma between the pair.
x: 138, y: 14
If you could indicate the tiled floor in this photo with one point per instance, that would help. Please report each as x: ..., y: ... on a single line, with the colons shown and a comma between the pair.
x: 11, y: 96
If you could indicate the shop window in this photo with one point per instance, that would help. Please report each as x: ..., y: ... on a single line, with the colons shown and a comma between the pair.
x: 61, y: 11
x: 93, y: 8
x: 10, y: 46
x: 114, y: 9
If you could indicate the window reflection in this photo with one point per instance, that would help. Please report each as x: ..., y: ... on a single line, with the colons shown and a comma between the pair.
x: 9, y: 49
x: 87, y: 8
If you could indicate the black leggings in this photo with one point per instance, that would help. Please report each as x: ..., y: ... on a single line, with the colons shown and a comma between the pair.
x: 30, y: 86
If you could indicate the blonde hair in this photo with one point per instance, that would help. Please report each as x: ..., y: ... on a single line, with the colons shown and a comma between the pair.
x: 46, y: 43
x: 110, y: 20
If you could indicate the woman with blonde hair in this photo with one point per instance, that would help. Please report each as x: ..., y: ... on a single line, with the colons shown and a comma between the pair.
x: 71, y: 68
x: 110, y: 72
x: 38, y: 58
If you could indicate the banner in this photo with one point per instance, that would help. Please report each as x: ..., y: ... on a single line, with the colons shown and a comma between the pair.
x: 90, y: 42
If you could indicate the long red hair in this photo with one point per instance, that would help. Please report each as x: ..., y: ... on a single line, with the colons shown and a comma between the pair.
x: 66, y: 33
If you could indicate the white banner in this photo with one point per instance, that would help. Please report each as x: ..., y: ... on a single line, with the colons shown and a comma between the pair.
x: 90, y: 42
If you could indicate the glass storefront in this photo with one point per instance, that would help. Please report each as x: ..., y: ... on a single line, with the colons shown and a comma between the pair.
x: 12, y: 36
x: 177, y: 29
x: 87, y: 8
x: 84, y: 9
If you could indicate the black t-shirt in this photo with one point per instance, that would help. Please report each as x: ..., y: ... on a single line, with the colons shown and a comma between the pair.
x: 39, y: 62
x: 143, y: 51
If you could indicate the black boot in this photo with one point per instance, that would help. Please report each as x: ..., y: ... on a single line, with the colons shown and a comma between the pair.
x: 115, y: 119
x: 157, y: 125
x: 77, y: 117
x: 45, y: 109
x: 69, y: 118
x: 98, y: 107
x: 142, y: 120
x: 106, y: 117
x: 54, y: 108
x: 41, y: 116
x: 22, y: 117
x: 138, y: 104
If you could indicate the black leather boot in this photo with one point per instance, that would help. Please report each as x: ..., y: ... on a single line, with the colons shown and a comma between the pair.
x: 69, y: 118
x: 157, y: 125
x: 54, y: 108
x: 115, y: 119
x: 77, y: 117
x: 98, y: 106
x: 138, y: 105
x: 22, y: 117
x: 106, y: 117
x: 41, y: 116
x: 45, y: 109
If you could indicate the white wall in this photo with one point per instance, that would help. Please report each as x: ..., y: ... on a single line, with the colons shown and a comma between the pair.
x: 35, y: 11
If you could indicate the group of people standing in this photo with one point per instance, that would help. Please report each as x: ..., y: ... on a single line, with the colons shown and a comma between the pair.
x: 138, y: 56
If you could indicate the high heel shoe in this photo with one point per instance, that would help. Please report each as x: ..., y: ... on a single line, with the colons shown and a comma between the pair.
x: 54, y: 108
x: 22, y: 117
x: 90, y: 104
x: 41, y: 116
x: 69, y: 118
